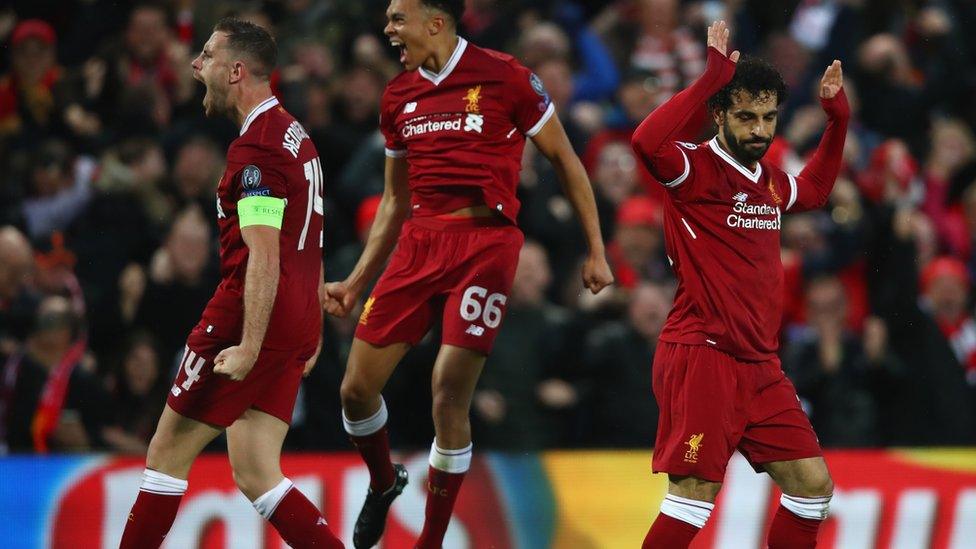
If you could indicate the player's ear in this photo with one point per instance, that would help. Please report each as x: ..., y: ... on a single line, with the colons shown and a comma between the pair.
x: 718, y: 115
x: 237, y: 70
x: 435, y: 24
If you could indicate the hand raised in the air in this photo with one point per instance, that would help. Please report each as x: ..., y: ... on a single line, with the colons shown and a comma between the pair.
x: 718, y: 38
x: 596, y: 273
x: 339, y: 299
x: 832, y: 81
x: 235, y: 362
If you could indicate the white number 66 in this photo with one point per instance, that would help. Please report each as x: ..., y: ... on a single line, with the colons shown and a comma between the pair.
x: 471, y: 308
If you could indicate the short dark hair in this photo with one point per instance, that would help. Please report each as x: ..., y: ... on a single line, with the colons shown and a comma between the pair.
x: 454, y: 8
x: 253, y: 41
x: 753, y: 75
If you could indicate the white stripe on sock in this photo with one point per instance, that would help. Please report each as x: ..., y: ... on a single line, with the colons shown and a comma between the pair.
x: 808, y: 508
x: 456, y: 460
x: 161, y: 483
x: 692, y: 511
x: 268, y: 502
x: 368, y: 426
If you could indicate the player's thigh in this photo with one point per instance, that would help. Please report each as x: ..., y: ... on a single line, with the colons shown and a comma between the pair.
x: 177, y: 442
x: 807, y: 477
x: 702, y: 417
x: 455, y: 376
x: 778, y: 429
x: 693, y: 488
x: 368, y: 369
x: 254, y: 447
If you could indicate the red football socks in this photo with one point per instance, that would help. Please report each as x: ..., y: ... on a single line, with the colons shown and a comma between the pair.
x: 154, y: 511
x: 375, y: 450
x: 669, y: 533
x: 301, y: 525
x: 371, y: 438
x: 442, y: 491
x: 789, y: 531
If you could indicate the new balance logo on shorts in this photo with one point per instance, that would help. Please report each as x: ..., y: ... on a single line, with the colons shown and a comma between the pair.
x: 475, y: 330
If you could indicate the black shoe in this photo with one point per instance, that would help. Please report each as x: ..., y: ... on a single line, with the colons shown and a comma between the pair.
x: 372, y: 518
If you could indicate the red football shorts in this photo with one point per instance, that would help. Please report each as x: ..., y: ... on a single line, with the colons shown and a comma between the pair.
x: 271, y: 386
x: 711, y: 404
x: 461, y: 270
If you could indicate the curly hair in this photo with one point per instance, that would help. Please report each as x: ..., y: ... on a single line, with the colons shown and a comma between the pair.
x: 754, y: 76
x: 454, y: 8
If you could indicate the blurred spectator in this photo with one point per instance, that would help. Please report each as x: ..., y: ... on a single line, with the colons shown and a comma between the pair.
x: 844, y: 382
x: 664, y: 47
x: 56, y: 402
x: 141, y: 386
x: 636, y: 252
x: 524, y: 386
x: 141, y: 81
x: 614, y: 181
x: 196, y: 171
x: 60, y: 188
x: 17, y: 301
x: 32, y: 95
x: 928, y: 319
x: 618, y: 358
x: 181, y: 279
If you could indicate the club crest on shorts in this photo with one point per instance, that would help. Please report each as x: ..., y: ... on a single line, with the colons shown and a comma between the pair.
x: 363, y: 318
x: 694, y: 444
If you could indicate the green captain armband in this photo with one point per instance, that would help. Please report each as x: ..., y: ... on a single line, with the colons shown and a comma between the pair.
x: 261, y: 210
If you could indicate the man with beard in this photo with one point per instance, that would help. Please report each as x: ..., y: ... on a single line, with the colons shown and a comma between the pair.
x: 259, y: 333
x: 716, y: 375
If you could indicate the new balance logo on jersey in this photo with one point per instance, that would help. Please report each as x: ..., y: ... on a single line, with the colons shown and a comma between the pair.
x: 474, y: 123
x: 410, y: 107
x: 741, y: 197
x: 176, y: 391
x: 475, y: 330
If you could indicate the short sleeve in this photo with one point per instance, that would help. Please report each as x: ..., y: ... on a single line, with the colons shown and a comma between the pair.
x: 532, y: 106
x: 261, y: 174
x: 394, y: 146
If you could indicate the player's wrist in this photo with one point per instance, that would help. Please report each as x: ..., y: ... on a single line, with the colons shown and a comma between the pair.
x: 250, y: 348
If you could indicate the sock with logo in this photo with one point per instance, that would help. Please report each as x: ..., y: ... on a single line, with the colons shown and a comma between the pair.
x: 678, y: 522
x: 298, y: 521
x: 154, y: 511
x: 444, y: 478
x: 373, y: 442
x: 797, y: 522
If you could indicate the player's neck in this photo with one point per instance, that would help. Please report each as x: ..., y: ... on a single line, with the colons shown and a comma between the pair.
x: 725, y: 147
x: 441, y: 53
x: 249, y: 99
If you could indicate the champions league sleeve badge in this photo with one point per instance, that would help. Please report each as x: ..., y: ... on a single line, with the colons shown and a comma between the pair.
x: 251, y: 181
x: 537, y: 86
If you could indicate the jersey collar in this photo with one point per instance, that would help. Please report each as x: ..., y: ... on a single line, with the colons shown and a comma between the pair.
x: 716, y: 147
x: 447, y: 68
x: 262, y: 107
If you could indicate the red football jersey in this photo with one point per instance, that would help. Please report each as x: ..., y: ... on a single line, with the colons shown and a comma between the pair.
x: 463, y: 130
x: 722, y: 221
x: 722, y: 232
x: 272, y: 157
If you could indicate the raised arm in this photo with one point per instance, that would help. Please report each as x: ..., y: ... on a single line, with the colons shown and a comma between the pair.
x: 653, y: 139
x: 340, y: 297
x: 815, y: 182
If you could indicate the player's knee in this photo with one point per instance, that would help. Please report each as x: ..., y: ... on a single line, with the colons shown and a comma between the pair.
x: 247, y: 482
x: 158, y: 455
x: 449, y: 411
x: 354, y: 393
x: 823, y: 485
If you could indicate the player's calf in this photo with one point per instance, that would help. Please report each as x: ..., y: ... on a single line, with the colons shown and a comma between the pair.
x: 684, y: 511
x: 295, y: 518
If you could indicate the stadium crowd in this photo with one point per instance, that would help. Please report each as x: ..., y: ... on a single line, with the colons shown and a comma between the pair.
x: 108, y: 170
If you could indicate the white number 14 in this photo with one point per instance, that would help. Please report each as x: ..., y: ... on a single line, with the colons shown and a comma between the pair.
x: 313, y: 173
